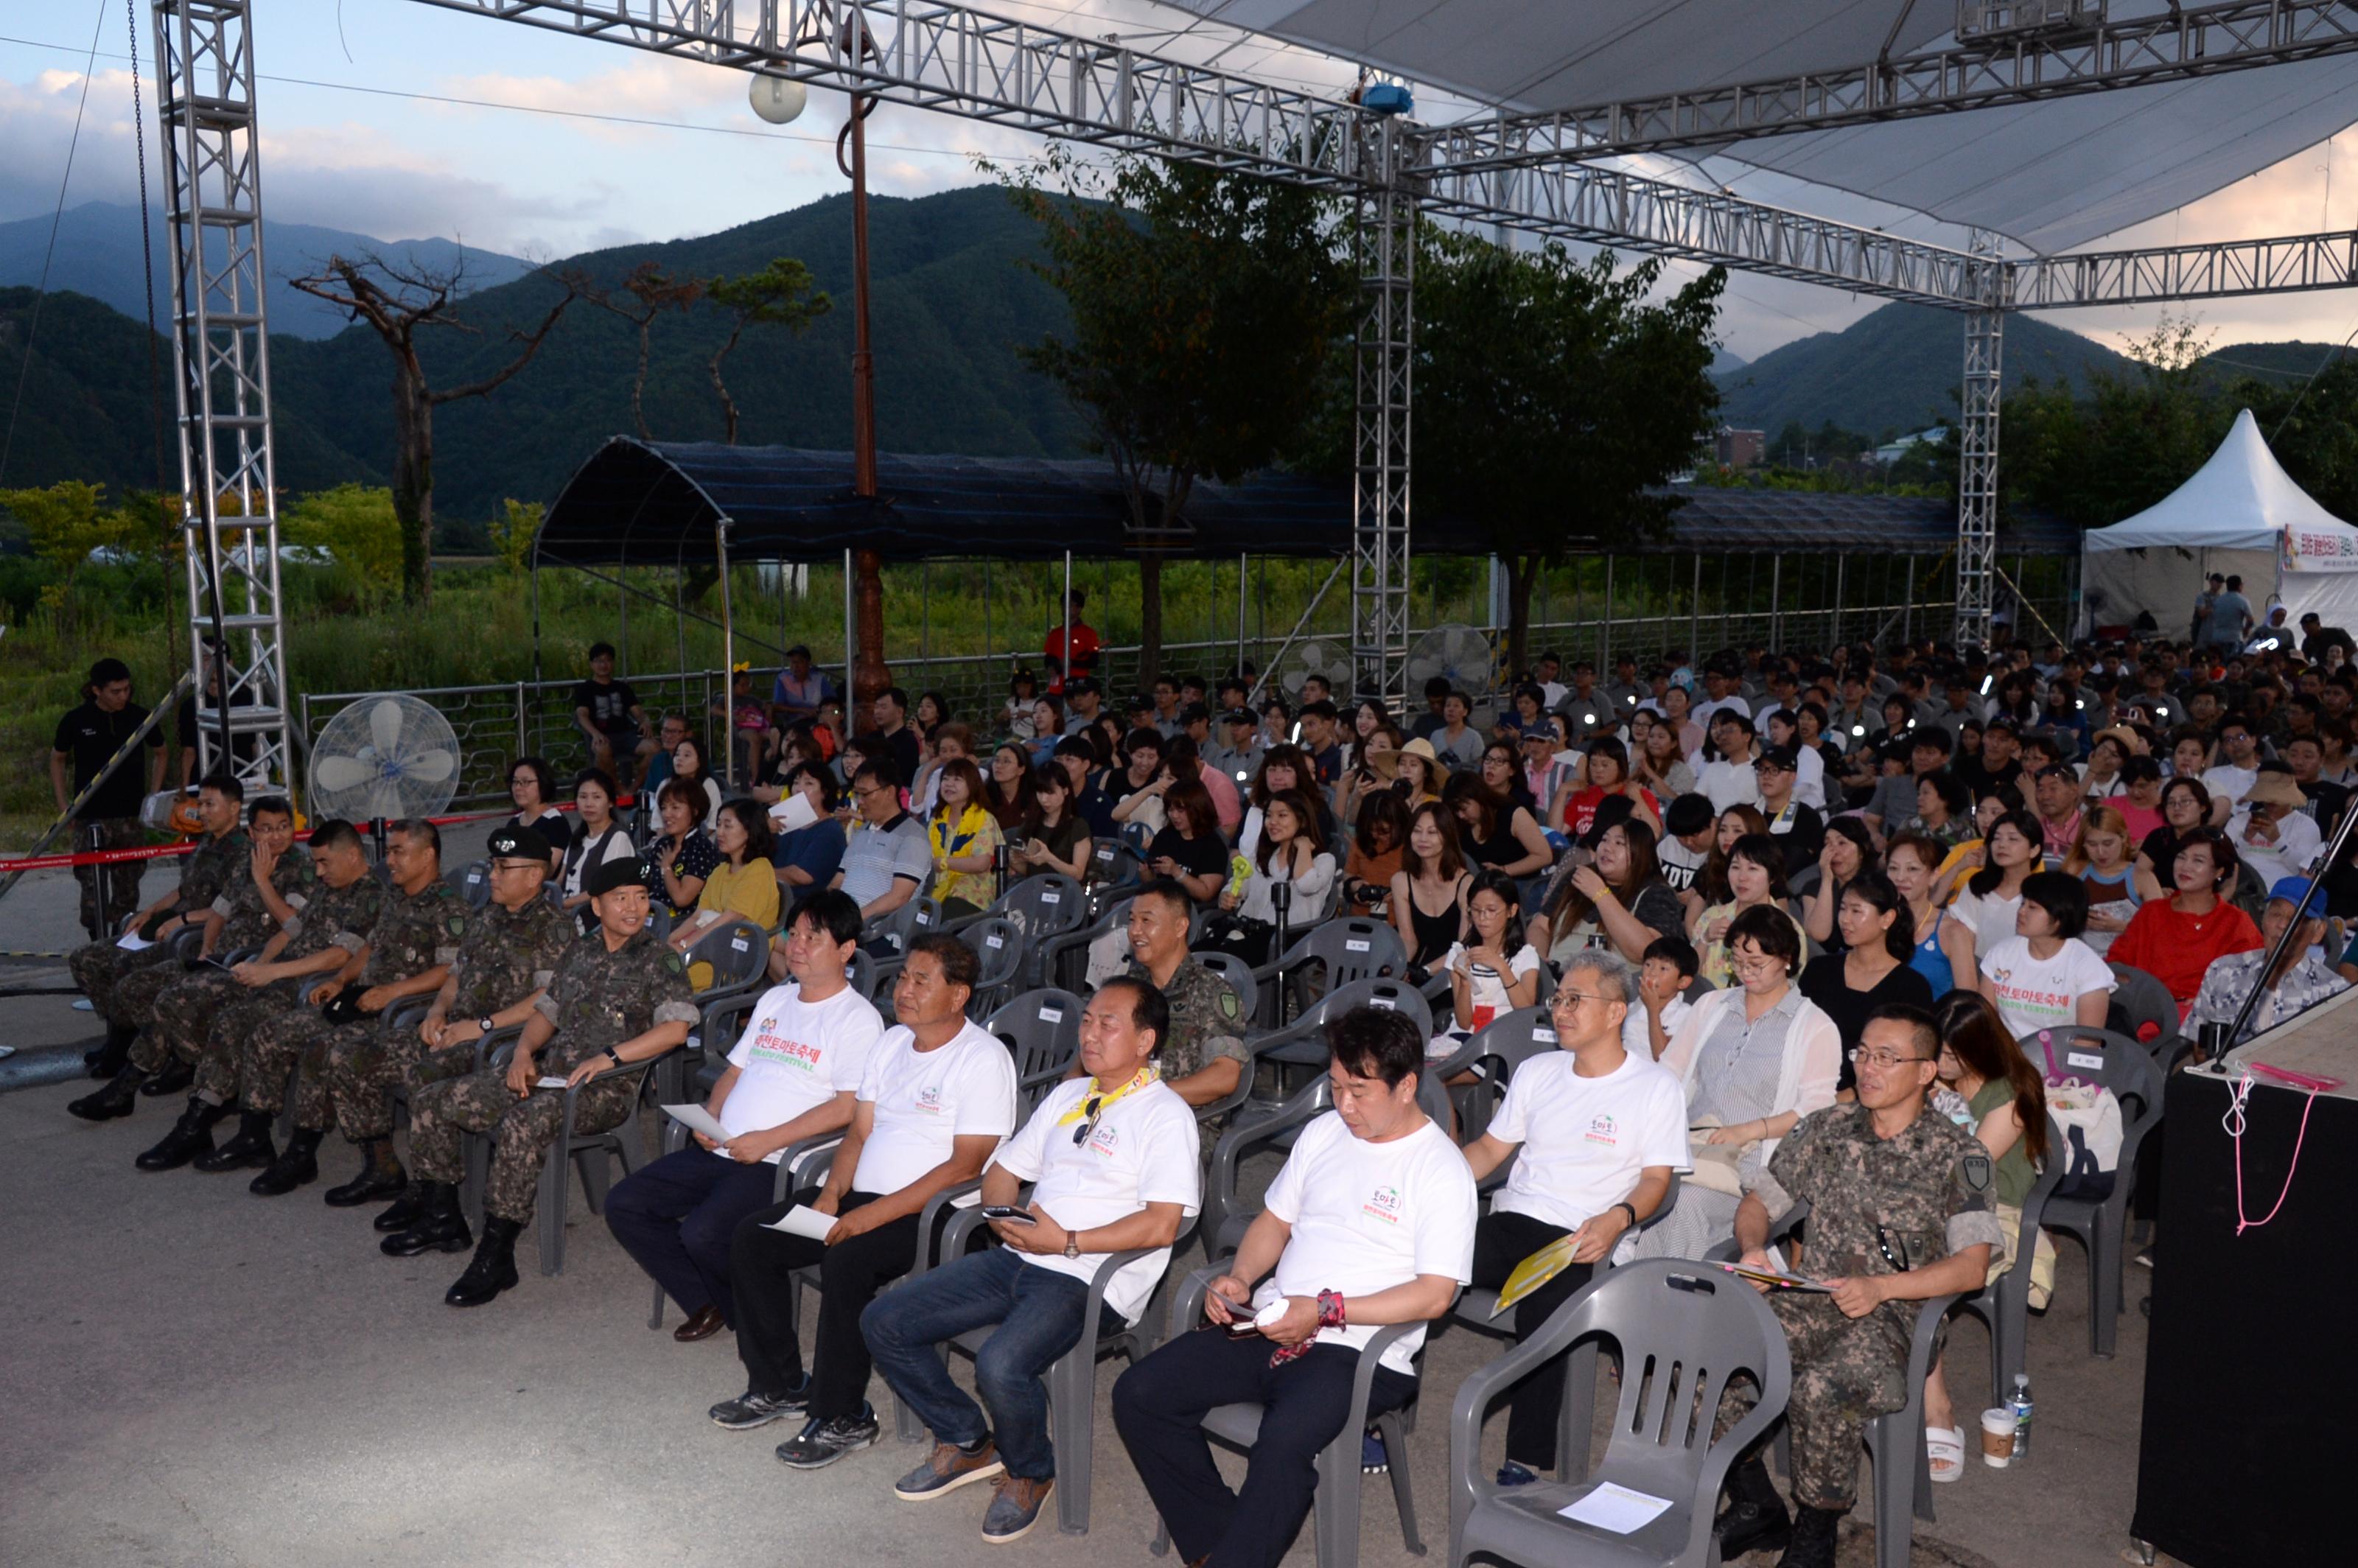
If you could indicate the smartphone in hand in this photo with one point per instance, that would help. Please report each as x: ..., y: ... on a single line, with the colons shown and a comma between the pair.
x: 1008, y: 1214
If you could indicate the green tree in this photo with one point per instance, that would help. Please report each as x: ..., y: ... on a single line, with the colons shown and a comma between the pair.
x: 358, y: 525
x: 1549, y: 395
x: 65, y: 524
x: 1205, y: 305
x: 2128, y: 443
x: 2313, y: 430
x: 780, y: 295
x: 513, y: 529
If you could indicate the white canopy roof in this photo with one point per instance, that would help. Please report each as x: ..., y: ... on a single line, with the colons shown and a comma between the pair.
x: 2240, y: 499
x: 2052, y: 174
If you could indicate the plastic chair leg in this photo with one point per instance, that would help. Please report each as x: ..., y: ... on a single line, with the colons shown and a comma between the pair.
x: 1577, y: 1431
x: 2105, y: 1283
x: 1394, y: 1428
x: 1072, y: 1421
x: 1334, y: 1510
x: 554, y: 1190
x: 909, y: 1429
x: 1895, y: 1487
x: 595, y: 1176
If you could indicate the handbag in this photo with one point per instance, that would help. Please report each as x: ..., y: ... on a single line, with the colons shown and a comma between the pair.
x: 2090, y: 1116
x: 1714, y: 1165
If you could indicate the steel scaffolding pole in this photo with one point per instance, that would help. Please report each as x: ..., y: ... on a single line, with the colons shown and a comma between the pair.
x: 1384, y: 237
x: 229, y: 505
x: 1977, y: 458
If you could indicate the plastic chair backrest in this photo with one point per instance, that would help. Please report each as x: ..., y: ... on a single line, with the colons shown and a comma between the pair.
x: 2122, y: 1065
x: 1112, y: 864
x: 1043, y: 1030
x: 1042, y: 907
x: 738, y: 951
x: 1508, y: 1041
x: 472, y: 881
x: 861, y: 972
x: 2144, y: 999
x: 1352, y: 948
x: 1393, y: 996
x: 1802, y: 881
x: 999, y: 943
x: 1239, y: 975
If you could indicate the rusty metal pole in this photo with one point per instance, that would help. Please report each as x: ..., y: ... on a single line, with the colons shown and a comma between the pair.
x: 870, y: 674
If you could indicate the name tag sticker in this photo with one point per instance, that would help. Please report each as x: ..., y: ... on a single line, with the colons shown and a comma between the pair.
x: 1355, y: 946
x: 1052, y: 1015
x: 2084, y: 1059
x: 1546, y: 1036
x: 1052, y: 897
x: 738, y: 943
x: 994, y: 941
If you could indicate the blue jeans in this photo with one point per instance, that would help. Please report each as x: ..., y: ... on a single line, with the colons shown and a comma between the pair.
x: 1038, y: 1314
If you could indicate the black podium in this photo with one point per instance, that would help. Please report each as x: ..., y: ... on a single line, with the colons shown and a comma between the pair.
x: 2251, y: 1378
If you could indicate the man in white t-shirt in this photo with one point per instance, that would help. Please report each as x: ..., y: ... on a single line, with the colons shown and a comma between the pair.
x: 1113, y: 1157
x: 1370, y: 1222
x: 2230, y: 778
x: 1601, y: 1131
x: 794, y: 1074
x: 2271, y: 833
x: 1730, y: 781
x: 938, y: 1097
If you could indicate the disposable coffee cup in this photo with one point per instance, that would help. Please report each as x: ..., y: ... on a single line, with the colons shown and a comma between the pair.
x: 1997, y: 1438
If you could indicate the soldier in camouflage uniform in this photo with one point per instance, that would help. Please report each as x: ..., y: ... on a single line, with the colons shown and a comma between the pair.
x: 1204, y: 1058
x: 332, y: 925
x: 621, y: 997
x: 272, y: 889
x: 512, y: 949
x: 1902, y: 1208
x: 409, y: 952
x: 100, y: 968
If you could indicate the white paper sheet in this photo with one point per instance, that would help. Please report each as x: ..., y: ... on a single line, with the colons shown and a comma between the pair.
x: 802, y: 1220
x: 1616, y: 1509
x: 132, y: 942
x: 793, y: 812
x: 696, y: 1118
x: 551, y: 1082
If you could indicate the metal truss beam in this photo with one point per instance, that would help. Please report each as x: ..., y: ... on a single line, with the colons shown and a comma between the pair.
x: 1383, y: 352
x: 2017, y: 68
x: 2289, y: 265
x: 1977, y: 451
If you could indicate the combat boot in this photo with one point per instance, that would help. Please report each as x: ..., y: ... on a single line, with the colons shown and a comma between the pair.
x: 110, y: 1057
x: 381, y: 1177
x: 119, y: 1097
x: 173, y: 1078
x: 405, y: 1210
x: 1816, y: 1531
x: 1755, y: 1519
x: 299, y: 1164
x: 251, y: 1148
x: 190, y: 1136
x: 439, y: 1226
x: 493, y: 1270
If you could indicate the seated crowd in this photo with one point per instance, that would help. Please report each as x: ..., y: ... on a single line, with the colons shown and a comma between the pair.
x: 1762, y: 963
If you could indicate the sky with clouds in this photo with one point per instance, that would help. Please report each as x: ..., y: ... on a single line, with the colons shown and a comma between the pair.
x: 403, y: 120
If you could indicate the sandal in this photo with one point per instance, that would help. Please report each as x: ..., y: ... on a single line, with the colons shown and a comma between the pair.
x: 1945, y: 1447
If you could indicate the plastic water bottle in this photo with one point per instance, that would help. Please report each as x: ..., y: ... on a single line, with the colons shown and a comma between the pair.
x: 2021, y: 1406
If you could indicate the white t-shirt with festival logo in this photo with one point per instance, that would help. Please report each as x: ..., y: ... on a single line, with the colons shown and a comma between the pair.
x: 926, y: 1099
x: 2036, y: 993
x: 796, y: 1056
x: 1586, y: 1141
x: 1143, y: 1151
x: 1368, y: 1217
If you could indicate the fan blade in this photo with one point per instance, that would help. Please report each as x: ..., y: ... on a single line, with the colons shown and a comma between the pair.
x: 431, y: 767
x: 340, y: 773
x: 384, y: 725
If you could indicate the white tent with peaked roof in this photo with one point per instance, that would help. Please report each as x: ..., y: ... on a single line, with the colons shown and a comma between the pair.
x: 2240, y: 514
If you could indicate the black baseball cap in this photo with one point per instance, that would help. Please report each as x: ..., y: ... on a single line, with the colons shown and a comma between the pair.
x: 1238, y: 716
x: 1083, y: 686
x: 1779, y: 757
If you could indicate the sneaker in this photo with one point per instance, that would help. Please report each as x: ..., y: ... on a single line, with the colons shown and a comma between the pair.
x: 1513, y: 1474
x: 2144, y: 1259
x: 1373, y: 1460
x: 822, y: 1443
x: 1014, y: 1509
x: 949, y: 1469
x: 749, y: 1409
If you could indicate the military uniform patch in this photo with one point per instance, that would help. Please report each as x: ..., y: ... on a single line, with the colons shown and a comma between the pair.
x: 1977, y: 1172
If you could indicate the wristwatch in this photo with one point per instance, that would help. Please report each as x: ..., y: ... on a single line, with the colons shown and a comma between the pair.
x: 1630, y: 1208
x: 485, y: 1023
x: 1072, y: 1244
x: 613, y: 1056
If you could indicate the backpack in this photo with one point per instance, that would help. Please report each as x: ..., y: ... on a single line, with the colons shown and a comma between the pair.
x: 2090, y: 1116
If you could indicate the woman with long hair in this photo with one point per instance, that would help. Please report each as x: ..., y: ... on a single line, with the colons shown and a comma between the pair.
x: 1573, y: 811
x: 688, y: 761
x: 1008, y: 796
x: 1849, y: 850
x: 948, y: 741
x: 1502, y: 774
x: 1285, y: 769
x: 532, y: 789
x: 1379, y: 846
x: 1053, y: 838
x: 598, y: 837
x: 1913, y: 863
x: 1292, y: 854
x: 1493, y: 970
x: 2185, y: 806
x: 1047, y: 728
x: 1188, y: 848
x: 1872, y: 969
x: 743, y: 885
x: 2174, y: 939
x: 1496, y: 833
x: 2101, y: 858
x: 966, y: 839
x: 1754, y: 1056
x: 1621, y: 897
x: 1421, y: 774
x: 1428, y: 901
x: 1711, y: 882
x: 1660, y: 765
x: 1993, y: 893
x: 1755, y: 880
x: 2004, y: 1104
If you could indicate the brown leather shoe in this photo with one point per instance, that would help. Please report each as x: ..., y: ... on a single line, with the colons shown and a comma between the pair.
x: 703, y: 1325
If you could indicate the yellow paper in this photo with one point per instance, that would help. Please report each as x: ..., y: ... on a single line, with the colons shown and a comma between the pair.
x: 1534, y: 1271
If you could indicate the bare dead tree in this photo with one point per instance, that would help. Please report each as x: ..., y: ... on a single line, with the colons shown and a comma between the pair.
x: 396, y: 301
x: 651, y: 291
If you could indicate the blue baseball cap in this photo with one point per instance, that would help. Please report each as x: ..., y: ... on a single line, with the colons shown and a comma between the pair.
x: 2291, y: 890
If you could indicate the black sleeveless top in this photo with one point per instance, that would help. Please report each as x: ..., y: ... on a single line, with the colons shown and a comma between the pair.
x: 1435, y: 934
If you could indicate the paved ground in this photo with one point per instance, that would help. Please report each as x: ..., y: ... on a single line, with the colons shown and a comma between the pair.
x: 197, y: 1378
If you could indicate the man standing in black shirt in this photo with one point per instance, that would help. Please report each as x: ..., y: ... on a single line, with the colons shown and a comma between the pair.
x: 87, y: 738
x: 892, y: 708
x: 607, y: 710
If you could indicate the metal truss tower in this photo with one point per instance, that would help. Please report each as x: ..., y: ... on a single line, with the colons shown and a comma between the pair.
x: 229, y: 505
x: 1977, y: 449
x: 1383, y: 239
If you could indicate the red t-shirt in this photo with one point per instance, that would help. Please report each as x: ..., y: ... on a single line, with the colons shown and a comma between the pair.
x: 2176, y: 948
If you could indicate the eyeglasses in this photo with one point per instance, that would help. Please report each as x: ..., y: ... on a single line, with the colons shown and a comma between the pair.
x: 1862, y: 1056
x: 1568, y: 1000
x: 1744, y: 965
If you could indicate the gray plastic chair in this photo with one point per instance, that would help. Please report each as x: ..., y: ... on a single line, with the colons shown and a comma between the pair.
x: 2144, y: 999
x: 471, y: 881
x: 1349, y: 949
x: 1000, y: 944
x: 592, y: 1152
x: 738, y: 952
x: 1058, y: 960
x: 1497, y: 1048
x: 1699, y: 1330
x: 2005, y: 1306
x: 1043, y: 1030
x: 1115, y: 872
x: 1304, y: 1041
x: 2122, y: 1065
x: 1335, y: 1505
x: 1239, y: 975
